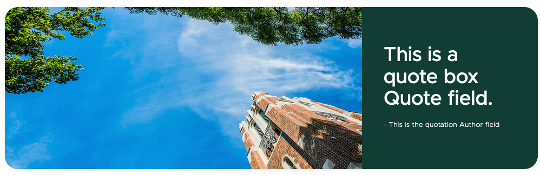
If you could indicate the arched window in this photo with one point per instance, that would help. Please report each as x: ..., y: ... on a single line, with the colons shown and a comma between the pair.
x: 328, y: 164
x: 289, y: 163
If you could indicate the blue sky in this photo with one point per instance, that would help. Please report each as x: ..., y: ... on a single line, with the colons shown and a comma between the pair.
x: 165, y: 92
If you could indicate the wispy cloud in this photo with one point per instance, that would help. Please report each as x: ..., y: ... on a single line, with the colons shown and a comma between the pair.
x: 13, y: 124
x: 220, y: 69
x: 22, y: 157
x: 354, y: 43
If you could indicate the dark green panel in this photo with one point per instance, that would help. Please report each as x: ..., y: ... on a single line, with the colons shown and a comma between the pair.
x: 498, y: 43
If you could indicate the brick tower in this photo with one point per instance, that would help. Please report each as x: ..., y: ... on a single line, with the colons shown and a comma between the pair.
x: 300, y: 133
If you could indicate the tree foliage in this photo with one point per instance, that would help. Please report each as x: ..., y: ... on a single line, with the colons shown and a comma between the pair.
x: 273, y: 25
x: 27, y: 28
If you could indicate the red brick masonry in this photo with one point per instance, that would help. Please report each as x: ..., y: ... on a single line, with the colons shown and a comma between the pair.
x: 308, y: 139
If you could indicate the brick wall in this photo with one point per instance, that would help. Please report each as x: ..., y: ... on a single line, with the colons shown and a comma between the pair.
x: 326, y: 139
x: 339, y: 129
x: 248, y: 142
x: 263, y: 104
x: 256, y: 161
x: 285, y: 147
x: 287, y: 124
x: 326, y: 145
x: 338, y: 141
x: 323, y: 139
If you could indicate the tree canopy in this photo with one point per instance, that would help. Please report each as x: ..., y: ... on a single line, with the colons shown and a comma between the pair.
x: 27, y: 28
x: 273, y: 25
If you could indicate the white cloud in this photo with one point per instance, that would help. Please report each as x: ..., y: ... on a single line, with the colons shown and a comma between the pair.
x: 14, y: 125
x: 354, y: 43
x: 24, y: 156
x: 220, y: 69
